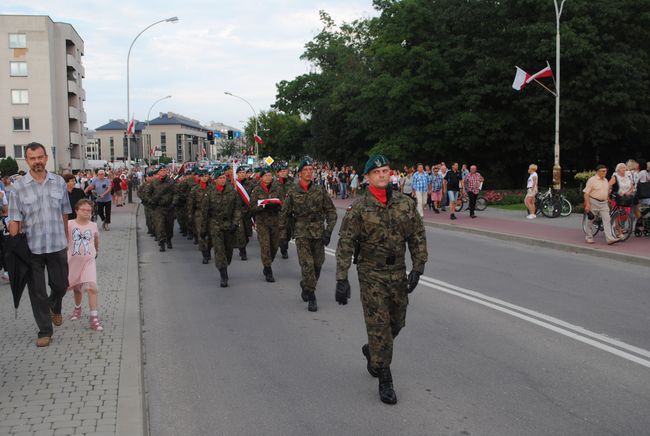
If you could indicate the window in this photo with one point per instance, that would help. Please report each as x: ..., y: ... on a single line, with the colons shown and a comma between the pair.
x: 163, y: 142
x: 18, y: 68
x: 19, y: 96
x: 112, y: 147
x: 21, y: 123
x: 3, y: 151
x: 19, y: 151
x: 17, y: 40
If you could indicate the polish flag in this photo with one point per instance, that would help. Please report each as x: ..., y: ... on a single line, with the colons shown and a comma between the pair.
x: 545, y: 72
x: 268, y: 201
x: 242, y: 193
x: 521, y: 79
x: 131, y: 128
x: 258, y: 140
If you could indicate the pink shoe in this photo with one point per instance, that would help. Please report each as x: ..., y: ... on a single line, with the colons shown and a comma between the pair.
x: 95, y: 324
x: 76, y: 314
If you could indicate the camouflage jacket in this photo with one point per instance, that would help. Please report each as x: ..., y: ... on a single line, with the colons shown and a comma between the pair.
x: 219, y: 209
x: 285, y: 186
x: 144, y: 192
x: 380, y: 234
x: 163, y: 191
x: 307, y: 210
x: 259, y: 193
x: 195, y: 199
x: 183, y: 189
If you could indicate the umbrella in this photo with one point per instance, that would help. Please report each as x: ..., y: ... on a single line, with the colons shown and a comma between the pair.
x: 17, y: 256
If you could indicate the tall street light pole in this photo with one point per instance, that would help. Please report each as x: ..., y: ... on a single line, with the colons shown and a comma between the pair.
x: 128, y: 85
x: 148, y: 120
x: 557, y: 170
x: 257, y: 152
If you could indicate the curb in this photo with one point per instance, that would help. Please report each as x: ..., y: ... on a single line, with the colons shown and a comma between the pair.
x: 130, y: 399
x: 560, y: 246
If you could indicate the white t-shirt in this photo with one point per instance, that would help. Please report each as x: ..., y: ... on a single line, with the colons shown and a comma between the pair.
x: 531, y: 180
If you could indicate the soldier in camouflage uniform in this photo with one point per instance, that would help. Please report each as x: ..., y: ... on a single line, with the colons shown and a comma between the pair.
x: 245, y: 230
x: 195, y: 200
x: 286, y: 184
x: 377, y: 228
x: 144, y: 193
x: 183, y: 188
x: 307, y: 205
x: 162, y: 198
x: 220, y: 218
x: 267, y: 219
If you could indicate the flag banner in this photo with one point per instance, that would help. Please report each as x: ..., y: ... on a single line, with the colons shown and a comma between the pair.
x: 258, y: 140
x: 521, y: 78
x: 545, y: 72
x: 131, y: 128
x: 242, y: 193
x: 268, y: 201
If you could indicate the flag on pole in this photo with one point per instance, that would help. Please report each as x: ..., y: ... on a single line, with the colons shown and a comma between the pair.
x: 521, y: 78
x: 544, y: 72
x: 258, y: 140
x: 131, y: 127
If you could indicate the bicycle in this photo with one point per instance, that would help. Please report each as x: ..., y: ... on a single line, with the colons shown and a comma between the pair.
x: 552, y: 205
x: 481, y: 203
x: 621, y: 220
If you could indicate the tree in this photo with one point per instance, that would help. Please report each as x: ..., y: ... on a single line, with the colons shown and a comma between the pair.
x: 8, y: 166
x: 285, y: 135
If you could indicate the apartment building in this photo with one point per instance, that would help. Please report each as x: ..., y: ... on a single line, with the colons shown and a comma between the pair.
x: 41, y: 92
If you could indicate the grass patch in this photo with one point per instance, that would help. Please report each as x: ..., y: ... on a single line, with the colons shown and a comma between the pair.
x: 517, y: 206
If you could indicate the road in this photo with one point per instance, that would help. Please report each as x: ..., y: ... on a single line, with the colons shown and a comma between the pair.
x: 501, y: 339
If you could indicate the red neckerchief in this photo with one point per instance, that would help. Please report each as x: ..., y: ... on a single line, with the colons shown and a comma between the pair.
x: 304, y: 185
x: 266, y: 188
x: 220, y: 188
x: 203, y: 184
x: 380, y: 194
x: 281, y: 180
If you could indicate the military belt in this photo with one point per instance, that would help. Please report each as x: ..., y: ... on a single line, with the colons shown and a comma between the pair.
x: 380, y: 260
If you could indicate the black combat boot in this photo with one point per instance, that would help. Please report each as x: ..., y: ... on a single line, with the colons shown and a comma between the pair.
x: 206, y: 257
x: 386, y: 391
x: 366, y: 352
x: 304, y: 295
x: 312, y: 306
x: 317, y: 273
x: 285, y: 254
x: 268, y: 274
x: 190, y: 236
x: 169, y: 243
x: 209, y: 254
x: 161, y: 243
x: 242, y: 254
x: 224, y: 277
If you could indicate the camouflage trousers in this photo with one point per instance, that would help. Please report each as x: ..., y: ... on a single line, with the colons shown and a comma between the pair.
x: 268, y: 235
x: 148, y: 220
x: 204, y: 243
x: 311, y: 256
x: 244, y: 231
x: 163, y: 218
x: 222, y: 242
x: 384, y: 299
x: 182, y: 218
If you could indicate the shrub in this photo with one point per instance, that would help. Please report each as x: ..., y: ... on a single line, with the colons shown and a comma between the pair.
x: 583, y: 176
x: 8, y: 166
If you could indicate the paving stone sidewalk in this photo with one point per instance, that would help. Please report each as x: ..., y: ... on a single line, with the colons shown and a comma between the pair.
x: 72, y: 386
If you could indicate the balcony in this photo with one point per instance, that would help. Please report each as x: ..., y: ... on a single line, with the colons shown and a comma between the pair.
x: 72, y: 87
x: 72, y: 62
x: 81, y: 93
x: 74, y: 113
x: 75, y: 138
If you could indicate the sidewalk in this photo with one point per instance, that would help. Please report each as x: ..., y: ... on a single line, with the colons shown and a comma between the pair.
x: 558, y: 233
x: 85, y: 382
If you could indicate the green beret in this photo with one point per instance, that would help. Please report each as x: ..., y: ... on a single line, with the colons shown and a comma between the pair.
x: 265, y: 170
x: 376, y: 161
x: 161, y: 166
x: 218, y: 172
x: 244, y: 168
x: 150, y: 173
x: 305, y: 162
x: 200, y: 172
x: 282, y: 166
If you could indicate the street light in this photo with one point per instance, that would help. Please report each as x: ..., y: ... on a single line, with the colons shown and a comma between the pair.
x: 257, y: 153
x: 148, y: 120
x: 557, y: 170
x: 128, y: 85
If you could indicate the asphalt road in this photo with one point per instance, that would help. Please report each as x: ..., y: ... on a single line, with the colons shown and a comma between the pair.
x: 501, y: 339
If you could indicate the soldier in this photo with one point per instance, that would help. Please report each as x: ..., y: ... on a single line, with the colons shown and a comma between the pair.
x: 162, y: 198
x: 195, y: 199
x: 144, y: 192
x: 286, y: 184
x: 265, y: 206
x: 183, y: 188
x: 307, y: 205
x: 377, y: 228
x: 245, y: 230
x: 220, y: 217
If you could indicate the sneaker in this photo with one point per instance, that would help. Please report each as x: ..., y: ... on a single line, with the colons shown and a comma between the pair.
x: 453, y: 217
x: 614, y: 241
x: 589, y: 241
x: 531, y: 216
x: 5, y: 276
x: 76, y: 314
x: 95, y: 324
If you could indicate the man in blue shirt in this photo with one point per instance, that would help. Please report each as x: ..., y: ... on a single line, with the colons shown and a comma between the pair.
x: 102, y: 187
x: 421, y: 188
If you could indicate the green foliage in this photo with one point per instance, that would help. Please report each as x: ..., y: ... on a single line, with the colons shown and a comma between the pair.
x: 430, y: 80
x: 164, y: 160
x: 583, y: 176
x: 8, y: 166
x: 285, y: 135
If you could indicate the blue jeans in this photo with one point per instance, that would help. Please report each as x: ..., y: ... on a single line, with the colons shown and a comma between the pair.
x: 342, y: 189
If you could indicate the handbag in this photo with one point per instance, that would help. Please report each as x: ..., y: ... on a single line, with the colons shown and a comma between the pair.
x: 643, y: 190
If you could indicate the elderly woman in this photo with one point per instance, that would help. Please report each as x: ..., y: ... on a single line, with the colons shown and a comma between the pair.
x: 531, y: 191
x: 622, y: 183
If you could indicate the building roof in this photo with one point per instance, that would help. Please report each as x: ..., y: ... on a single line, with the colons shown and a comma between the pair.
x: 120, y: 125
x: 171, y: 118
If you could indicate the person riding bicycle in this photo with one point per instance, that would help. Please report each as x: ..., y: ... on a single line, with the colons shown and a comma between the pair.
x: 596, y: 194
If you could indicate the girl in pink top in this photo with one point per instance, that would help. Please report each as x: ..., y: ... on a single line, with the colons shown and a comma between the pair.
x: 83, y: 247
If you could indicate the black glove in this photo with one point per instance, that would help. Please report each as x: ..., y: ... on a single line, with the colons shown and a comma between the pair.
x: 590, y: 215
x: 284, y: 244
x: 233, y: 227
x: 413, y: 279
x: 342, y: 291
x: 204, y: 234
x: 327, y: 236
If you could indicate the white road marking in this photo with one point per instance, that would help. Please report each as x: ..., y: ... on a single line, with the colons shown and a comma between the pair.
x: 564, y: 328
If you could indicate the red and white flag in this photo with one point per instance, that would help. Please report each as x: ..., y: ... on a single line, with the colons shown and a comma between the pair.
x: 268, y: 201
x: 545, y: 72
x: 131, y: 127
x: 242, y: 193
x: 522, y: 78
x: 258, y: 140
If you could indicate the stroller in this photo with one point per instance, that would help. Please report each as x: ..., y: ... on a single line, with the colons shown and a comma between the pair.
x: 642, y: 227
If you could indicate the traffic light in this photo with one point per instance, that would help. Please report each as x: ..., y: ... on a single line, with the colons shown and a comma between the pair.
x: 195, y: 140
x: 211, y: 136
x: 231, y: 134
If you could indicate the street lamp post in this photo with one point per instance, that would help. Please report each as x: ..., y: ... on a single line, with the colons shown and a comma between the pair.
x: 257, y: 153
x: 557, y: 170
x: 148, y: 120
x: 128, y: 84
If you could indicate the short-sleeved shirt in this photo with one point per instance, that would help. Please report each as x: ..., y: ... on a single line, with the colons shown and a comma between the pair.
x: 40, y: 208
x: 597, y: 188
x: 102, y: 186
x: 472, y: 182
x: 436, y: 182
x: 421, y: 182
x: 453, y: 180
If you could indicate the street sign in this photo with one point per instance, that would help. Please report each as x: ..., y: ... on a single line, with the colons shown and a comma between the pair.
x: 157, y: 153
x: 269, y: 160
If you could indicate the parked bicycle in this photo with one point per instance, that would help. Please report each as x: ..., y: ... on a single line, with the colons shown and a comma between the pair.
x: 463, y: 203
x: 552, y: 205
x: 621, y: 219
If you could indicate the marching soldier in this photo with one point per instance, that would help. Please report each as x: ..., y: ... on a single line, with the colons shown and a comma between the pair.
x: 307, y: 206
x: 220, y: 217
x: 144, y: 192
x: 162, y: 198
x: 286, y: 184
x: 195, y: 199
x: 245, y: 230
x: 377, y: 228
x: 265, y: 205
x: 183, y: 188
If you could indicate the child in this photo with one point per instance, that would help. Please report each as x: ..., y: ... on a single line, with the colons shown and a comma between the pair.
x: 83, y: 247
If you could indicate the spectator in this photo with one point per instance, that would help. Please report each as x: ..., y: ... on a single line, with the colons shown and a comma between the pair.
x: 622, y: 183
x: 472, y: 182
x: 342, y: 176
x: 596, y: 194
x: 436, y: 189
x: 124, y: 186
x: 453, y: 186
x: 421, y: 188
x: 75, y: 194
x: 394, y: 180
x: 354, y: 183
x: 531, y: 192
x: 407, y: 183
x: 102, y: 187
x: 117, y: 191
x: 39, y: 208
x: 644, y: 179
x: 3, y: 229
x: 443, y: 173
x: 464, y: 171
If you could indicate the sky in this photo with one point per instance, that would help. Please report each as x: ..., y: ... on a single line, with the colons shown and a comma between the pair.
x: 244, y: 47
